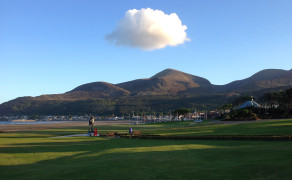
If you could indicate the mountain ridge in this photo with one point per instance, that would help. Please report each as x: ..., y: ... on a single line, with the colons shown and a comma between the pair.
x: 166, y: 82
x: 168, y: 85
x: 267, y: 78
x: 174, y: 82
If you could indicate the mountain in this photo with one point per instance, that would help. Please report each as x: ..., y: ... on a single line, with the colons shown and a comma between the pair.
x: 166, y: 90
x: 265, y: 79
x: 167, y: 82
x: 103, y: 89
x: 87, y: 91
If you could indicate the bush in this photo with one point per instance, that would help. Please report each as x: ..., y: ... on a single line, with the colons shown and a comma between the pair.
x: 227, y: 117
x: 241, y: 114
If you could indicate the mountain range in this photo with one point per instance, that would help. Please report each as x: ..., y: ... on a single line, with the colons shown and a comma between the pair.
x: 166, y: 86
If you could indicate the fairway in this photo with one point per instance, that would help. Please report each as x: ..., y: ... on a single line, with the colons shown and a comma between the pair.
x: 38, y: 155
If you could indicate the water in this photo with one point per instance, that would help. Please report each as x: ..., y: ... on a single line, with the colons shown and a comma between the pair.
x: 30, y: 122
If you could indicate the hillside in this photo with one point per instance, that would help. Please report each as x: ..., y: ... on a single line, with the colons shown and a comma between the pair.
x: 167, y: 82
x: 265, y: 79
x: 166, y: 90
x: 103, y: 89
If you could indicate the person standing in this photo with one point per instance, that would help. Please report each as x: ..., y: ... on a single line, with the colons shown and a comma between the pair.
x: 91, y: 123
x: 131, y: 131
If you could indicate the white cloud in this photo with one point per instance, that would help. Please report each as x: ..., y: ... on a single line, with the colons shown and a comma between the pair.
x: 148, y: 29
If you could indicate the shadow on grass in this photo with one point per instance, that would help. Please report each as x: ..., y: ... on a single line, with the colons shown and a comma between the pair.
x: 105, y: 158
x: 31, y: 155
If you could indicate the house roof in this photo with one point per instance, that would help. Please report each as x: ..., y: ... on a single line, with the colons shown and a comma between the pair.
x: 251, y: 103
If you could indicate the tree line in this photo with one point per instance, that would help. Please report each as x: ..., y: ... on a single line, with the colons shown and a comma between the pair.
x: 277, y: 104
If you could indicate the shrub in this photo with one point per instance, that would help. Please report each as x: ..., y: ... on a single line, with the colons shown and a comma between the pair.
x: 241, y: 114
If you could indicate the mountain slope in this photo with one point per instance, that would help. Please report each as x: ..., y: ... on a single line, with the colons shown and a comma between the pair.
x: 167, y: 90
x: 87, y: 91
x: 167, y: 82
x: 265, y: 79
x: 105, y: 89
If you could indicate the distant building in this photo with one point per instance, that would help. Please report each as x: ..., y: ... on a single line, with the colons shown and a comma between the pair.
x: 251, y: 103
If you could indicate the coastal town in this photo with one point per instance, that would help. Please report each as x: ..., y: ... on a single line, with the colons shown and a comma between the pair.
x: 197, y: 116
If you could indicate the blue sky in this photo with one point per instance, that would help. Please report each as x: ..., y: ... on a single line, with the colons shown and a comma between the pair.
x: 53, y: 46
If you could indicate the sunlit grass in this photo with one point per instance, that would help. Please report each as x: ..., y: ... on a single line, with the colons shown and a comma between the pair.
x: 152, y: 149
x: 31, y: 158
x: 30, y: 155
x: 207, y: 128
x: 29, y: 141
x: 252, y: 128
x: 183, y: 133
x: 113, y: 158
x: 279, y: 124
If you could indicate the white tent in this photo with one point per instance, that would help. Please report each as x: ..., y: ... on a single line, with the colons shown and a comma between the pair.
x: 251, y: 103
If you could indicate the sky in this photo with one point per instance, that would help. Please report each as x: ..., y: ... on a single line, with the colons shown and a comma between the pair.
x: 53, y: 46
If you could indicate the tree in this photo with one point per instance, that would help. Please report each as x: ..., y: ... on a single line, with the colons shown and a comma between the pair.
x: 275, y: 99
x: 182, y: 111
x: 289, y: 97
x: 226, y: 107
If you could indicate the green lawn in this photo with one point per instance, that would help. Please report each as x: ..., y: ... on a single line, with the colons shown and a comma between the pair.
x: 273, y: 127
x: 35, y: 155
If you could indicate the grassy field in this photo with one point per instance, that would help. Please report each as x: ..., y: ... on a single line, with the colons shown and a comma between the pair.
x: 38, y: 155
x: 273, y: 127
